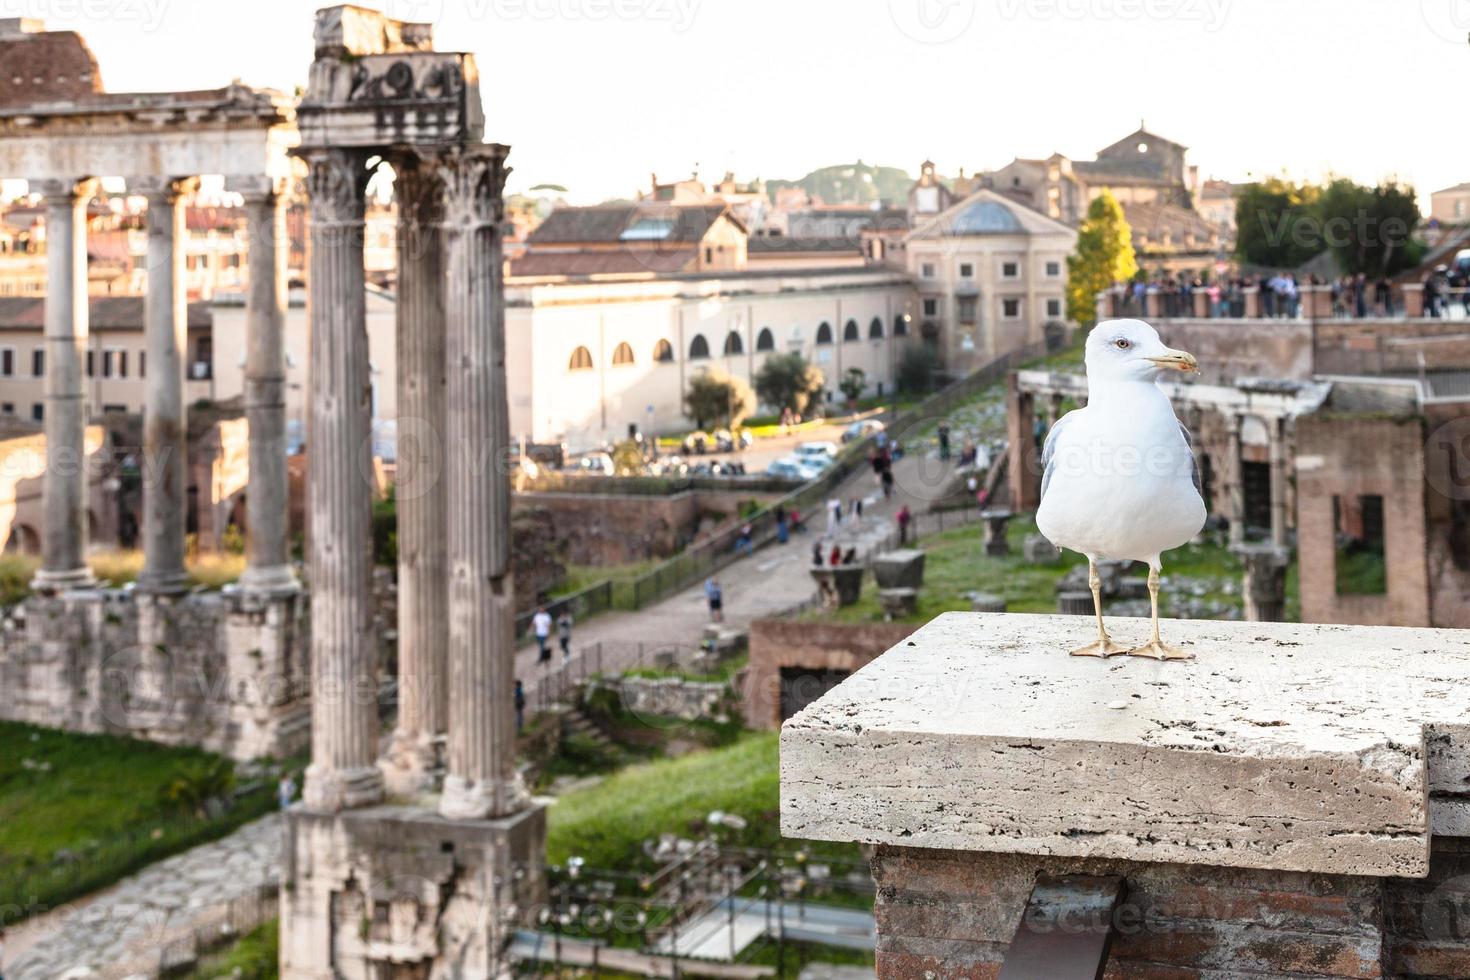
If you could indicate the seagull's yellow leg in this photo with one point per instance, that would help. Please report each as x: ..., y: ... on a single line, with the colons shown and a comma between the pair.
x: 1104, y: 647
x: 1155, y: 647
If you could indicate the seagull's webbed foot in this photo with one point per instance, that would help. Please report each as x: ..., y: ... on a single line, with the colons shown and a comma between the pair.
x: 1157, y: 649
x: 1103, y: 646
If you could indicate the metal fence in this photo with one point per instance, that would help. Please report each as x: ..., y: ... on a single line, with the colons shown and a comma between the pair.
x: 594, y: 599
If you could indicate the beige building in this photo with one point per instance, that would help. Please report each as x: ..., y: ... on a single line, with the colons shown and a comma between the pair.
x: 990, y: 275
x: 116, y: 361
x: 1451, y: 206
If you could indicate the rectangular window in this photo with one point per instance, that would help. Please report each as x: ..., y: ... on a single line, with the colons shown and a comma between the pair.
x: 1362, y: 566
x: 107, y: 364
x: 7, y: 362
x: 142, y: 364
x: 115, y: 409
x: 1010, y: 308
x: 967, y: 270
x: 38, y: 362
x: 7, y: 408
x: 1053, y: 307
x: 1009, y: 270
x: 927, y: 270
x: 91, y: 363
x: 1053, y: 269
x: 966, y: 310
x: 931, y: 307
x: 122, y: 364
x: 38, y: 412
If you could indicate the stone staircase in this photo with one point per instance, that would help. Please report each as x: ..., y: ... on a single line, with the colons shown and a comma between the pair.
x: 575, y: 723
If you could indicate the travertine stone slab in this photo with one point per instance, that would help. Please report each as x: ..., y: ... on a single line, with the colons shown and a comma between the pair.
x: 1282, y: 746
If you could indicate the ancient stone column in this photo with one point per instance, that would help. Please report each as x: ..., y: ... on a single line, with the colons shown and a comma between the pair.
x: 1236, y: 475
x: 165, y: 448
x: 267, y: 501
x: 64, y: 492
x: 1264, y: 581
x: 481, y: 780
x: 423, y: 600
x: 344, y: 719
x: 1277, y: 429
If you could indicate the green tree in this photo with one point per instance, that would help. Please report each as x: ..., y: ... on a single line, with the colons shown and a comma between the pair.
x: 1275, y: 223
x: 1369, y: 229
x: 716, y: 398
x: 788, y: 381
x: 852, y: 384
x: 1104, y: 256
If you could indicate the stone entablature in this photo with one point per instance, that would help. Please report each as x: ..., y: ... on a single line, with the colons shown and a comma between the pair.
x: 1323, y: 749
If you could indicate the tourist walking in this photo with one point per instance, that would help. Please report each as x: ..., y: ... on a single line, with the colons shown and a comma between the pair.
x: 716, y: 599
x: 564, y: 635
x: 541, y: 626
x: 903, y: 517
x: 835, y: 558
x: 285, y: 790
x: 783, y: 532
x: 816, y: 552
x: 944, y: 440
x: 744, y: 543
x: 520, y: 703
x: 834, y: 515
x: 856, y: 505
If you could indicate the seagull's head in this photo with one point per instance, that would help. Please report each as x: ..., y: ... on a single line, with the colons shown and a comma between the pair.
x: 1130, y: 350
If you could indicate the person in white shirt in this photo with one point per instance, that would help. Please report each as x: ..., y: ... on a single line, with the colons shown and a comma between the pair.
x: 541, y: 624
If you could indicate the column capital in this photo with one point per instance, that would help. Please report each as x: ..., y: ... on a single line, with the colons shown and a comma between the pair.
x: 474, y: 177
x: 259, y: 188
x: 162, y: 190
x: 336, y: 183
x: 68, y: 191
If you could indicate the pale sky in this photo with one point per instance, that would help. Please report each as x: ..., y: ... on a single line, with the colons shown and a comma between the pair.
x: 595, y: 94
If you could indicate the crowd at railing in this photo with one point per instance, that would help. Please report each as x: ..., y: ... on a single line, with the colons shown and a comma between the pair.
x: 1442, y: 293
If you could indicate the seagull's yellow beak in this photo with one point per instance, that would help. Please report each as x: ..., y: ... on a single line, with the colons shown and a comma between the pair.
x: 1176, y: 360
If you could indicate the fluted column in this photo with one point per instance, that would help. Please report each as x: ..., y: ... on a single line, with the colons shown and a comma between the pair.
x: 344, y: 720
x: 481, y: 779
x: 1277, y: 429
x: 1237, y: 479
x: 166, y: 322
x: 423, y: 601
x: 64, y: 492
x: 267, y: 501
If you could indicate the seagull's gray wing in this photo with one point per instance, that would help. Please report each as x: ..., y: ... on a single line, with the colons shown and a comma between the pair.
x: 1049, y: 450
x: 1193, y: 459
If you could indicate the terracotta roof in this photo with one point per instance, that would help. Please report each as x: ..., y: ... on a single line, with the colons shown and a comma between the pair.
x: 107, y: 312
x: 605, y: 262
x: 46, y: 66
x: 610, y: 223
x: 784, y: 243
x: 1153, y: 220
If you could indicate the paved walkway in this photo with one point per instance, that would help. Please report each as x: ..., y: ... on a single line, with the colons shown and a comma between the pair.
x: 128, y: 924
x: 773, y: 580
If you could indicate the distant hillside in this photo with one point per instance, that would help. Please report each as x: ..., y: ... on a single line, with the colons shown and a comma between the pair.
x: 851, y: 183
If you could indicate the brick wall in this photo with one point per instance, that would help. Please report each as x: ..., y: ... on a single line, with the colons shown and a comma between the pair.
x: 1352, y: 456
x: 952, y: 914
x: 809, y: 645
x: 1447, y: 507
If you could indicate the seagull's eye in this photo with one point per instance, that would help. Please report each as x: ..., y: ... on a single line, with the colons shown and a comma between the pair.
x: 1122, y: 343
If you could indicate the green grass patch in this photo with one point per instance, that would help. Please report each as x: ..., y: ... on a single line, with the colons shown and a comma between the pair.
x: 115, y: 569
x: 77, y: 812
x: 254, y: 956
x: 607, y: 824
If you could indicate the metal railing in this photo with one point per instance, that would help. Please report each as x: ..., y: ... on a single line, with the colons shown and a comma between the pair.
x: 594, y: 599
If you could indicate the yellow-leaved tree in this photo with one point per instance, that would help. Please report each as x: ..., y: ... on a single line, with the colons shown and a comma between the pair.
x: 1104, y: 256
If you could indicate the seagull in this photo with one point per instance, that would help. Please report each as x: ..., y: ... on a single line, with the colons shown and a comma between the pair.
x: 1119, y: 480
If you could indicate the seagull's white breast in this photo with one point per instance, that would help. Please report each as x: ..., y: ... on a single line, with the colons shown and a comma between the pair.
x: 1121, y: 479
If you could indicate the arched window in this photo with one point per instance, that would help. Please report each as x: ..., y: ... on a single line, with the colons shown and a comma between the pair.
x: 698, y: 348
x: 900, y: 326
x: 875, y: 329
x: 765, y: 340
x: 663, y: 352
x: 581, y: 360
x: 851, y: 331
x: 733, y: 343
x: 824, y: 333
x: 622, y: 354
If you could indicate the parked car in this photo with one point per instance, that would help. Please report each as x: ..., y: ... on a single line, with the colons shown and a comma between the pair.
x: 788, y: 468
x: 861, y: 430
x: 805, y: 467
x: 697, y: 443
x: 824, y: 452
x: 599, y: 463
